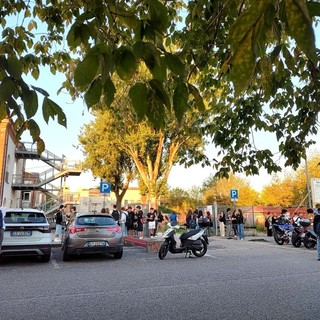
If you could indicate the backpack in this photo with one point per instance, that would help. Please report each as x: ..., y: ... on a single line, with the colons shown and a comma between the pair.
x: 116, y: 215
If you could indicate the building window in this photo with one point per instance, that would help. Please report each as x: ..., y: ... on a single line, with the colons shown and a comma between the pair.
x: 26, y: 196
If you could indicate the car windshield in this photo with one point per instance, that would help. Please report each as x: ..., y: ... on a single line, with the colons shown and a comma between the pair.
x: 95, y: 220
x: 24, y: 217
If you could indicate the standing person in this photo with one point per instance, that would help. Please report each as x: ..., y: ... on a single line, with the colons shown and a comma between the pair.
x: 129, y: 222
x: 151, y: 222
x: 59, y: 219
x: 2, y: 226
x: 173, y: 217
x: 316, y: 221
x: 268, y: 224
x: 240, y: 224
x: 70, y: 218
x: 122, y: 220
x: 296, y: 219
x: 160, y: 223
x: 115, y: 214
x: 135, y: 222
x: 188, y: 219
x: 200, y: 219
x: 234, y: 223
x: 274, y: 219
x: 156, y: 222
x: 140, y: 222
x: 229, y: 223
x: 222, y: 222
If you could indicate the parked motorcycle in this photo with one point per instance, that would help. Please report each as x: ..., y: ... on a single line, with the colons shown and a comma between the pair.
x: 310, y: 239
x: 282, y: 232
x: 299, y: 232
x: 193, y: 241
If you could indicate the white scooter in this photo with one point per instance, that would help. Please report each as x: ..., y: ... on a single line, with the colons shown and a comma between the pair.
x: 193, y: 241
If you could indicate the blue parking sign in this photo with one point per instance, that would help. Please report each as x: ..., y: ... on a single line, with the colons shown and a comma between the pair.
x: 234, y: 195
x: 105, y: 187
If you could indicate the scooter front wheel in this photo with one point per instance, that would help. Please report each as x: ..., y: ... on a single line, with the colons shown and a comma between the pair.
x: 164, y: 248
x: 203, y: 251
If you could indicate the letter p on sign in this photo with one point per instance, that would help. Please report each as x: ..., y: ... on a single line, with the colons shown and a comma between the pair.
x: 234, y: 195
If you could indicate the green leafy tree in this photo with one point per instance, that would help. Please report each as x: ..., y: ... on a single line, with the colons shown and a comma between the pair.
x: 105, y: 157
x: 152, y: 151
x: 181, y: 200
x: 242, y: 56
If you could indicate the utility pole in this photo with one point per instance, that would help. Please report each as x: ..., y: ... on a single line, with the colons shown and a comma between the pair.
x: 308, y: 184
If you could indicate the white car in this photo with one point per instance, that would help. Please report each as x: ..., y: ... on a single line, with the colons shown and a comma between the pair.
x: 27, y: 233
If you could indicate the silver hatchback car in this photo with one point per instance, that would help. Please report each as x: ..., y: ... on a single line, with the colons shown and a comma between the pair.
x: 92, y: 233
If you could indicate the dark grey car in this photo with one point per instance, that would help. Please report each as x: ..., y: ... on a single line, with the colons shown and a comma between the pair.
x: 92, y: 233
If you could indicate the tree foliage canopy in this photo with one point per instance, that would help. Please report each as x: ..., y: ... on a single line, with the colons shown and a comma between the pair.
x: 152, y: 152
x: 254, y: 62
x: 218, y: 190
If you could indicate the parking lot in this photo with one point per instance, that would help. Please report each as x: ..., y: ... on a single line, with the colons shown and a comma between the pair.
x: 236, y: 279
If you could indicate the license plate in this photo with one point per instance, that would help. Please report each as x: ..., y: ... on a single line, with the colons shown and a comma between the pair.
x: 96, y: 244
x: 21, y: 233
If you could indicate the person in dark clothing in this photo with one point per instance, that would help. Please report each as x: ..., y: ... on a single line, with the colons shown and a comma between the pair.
x: 130, y: 219
x: 140, y: 222
x: 115, y: 213
x: 268, y: 224
x: 234, y: 223
x: 160, y: 223
x: 59, y: 218
x: 316, y: 220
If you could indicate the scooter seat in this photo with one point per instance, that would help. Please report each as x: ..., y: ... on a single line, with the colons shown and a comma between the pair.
x: 188, y: 234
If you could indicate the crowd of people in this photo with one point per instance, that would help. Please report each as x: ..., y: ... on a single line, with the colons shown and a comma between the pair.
x: 132, y: 219
x: 284, y: 217
x: 231, y: 224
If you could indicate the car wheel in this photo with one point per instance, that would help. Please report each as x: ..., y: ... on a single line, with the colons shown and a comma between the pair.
x: 45, y: 257
x: 118, y: 255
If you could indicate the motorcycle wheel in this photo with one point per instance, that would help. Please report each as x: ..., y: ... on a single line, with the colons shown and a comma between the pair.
x: 163, y: 251
x: 203, y: 251
x: 278, y: 237
x: 296, y: 240
x: 308, y: 243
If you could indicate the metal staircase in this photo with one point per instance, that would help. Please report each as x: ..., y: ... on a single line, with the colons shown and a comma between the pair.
x: 60, y: 168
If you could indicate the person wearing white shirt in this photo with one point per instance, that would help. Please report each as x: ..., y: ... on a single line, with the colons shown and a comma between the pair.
x: 123, y: 220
